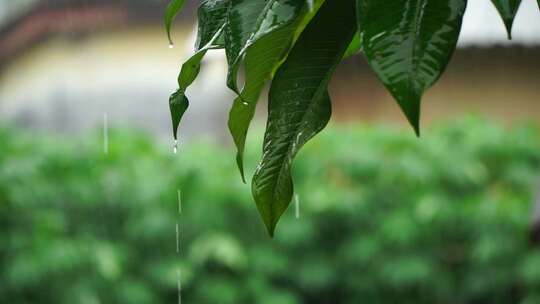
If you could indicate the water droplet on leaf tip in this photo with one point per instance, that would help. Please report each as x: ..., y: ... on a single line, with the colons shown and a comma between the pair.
x: 171, y: 45
x: 175, y: 146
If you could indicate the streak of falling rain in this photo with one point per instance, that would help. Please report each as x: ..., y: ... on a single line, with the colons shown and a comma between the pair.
x: 105, y: 133
x: 179, y: 285
x: 177, y: 238
x: 296, y: 206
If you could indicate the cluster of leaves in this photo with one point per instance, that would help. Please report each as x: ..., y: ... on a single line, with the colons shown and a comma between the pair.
x: 297, y: 44
x: 383, y: 219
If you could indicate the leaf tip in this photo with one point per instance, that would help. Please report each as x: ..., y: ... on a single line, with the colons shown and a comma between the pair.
x: 240, y: 164
x: 271, y: 230
x: 417, y: 131
x: 412, y: 112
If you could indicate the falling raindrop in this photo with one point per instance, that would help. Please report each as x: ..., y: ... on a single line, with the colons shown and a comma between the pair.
x: 177, y: 238
x: 296, y: 206
x: 105, y: 134
x: 175, y: 146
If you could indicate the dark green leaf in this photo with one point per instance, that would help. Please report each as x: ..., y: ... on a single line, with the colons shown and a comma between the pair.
x: 178, y: 101
x: 212, y: 14
x: 355, y: 46
x: 508, y: 10
x: 174, y: 7
x: 243, y: 20
x: 408, y: 43
x: 299, y: 104
x: 264, y: 50
x: 212, y: 21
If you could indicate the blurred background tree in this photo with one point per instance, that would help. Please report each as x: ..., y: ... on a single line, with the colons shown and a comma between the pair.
x: 384, y: 218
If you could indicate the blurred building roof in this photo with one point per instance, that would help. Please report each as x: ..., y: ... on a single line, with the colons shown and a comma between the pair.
x: 27, y: 22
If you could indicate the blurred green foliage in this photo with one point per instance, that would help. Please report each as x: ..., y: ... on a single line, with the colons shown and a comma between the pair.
x: 385, y: 218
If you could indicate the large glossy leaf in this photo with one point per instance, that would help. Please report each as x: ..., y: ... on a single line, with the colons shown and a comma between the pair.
x: 174, y: 7
x: 299, y: 104
x: 178, y: 102
x: 264, y: 49
x: 408, y: 44
x: 508, y: 10
x: 243, y: 19
x: 212, y: 14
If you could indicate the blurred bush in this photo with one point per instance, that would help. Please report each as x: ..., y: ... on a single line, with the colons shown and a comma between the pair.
x: 384, y: 218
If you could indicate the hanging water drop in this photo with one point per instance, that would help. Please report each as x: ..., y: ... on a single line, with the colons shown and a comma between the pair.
x: 171, y: 45
x: 175, y: 146
x: 296, y: 206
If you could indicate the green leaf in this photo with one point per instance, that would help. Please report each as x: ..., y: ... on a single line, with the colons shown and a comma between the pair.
x: 408, y: 44
x: 178, y: 102
x: 355, y: 46
x: 264, y: 50
x: 212, y: 15
x: 243, y: 19
x: 174, y: 7
x: 299, y: 104
x: 508, y: 10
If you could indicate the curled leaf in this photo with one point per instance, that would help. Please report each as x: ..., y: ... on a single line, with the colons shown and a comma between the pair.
x: 264, y: 50
x: 242, y: 20
x: 174, y: 7
x: 212, y: 22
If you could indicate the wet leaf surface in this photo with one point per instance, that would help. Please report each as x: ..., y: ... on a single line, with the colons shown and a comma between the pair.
x: 408, y: 44
x: 178, y: 102
x: 299, y: 104
x: 264, y: 50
